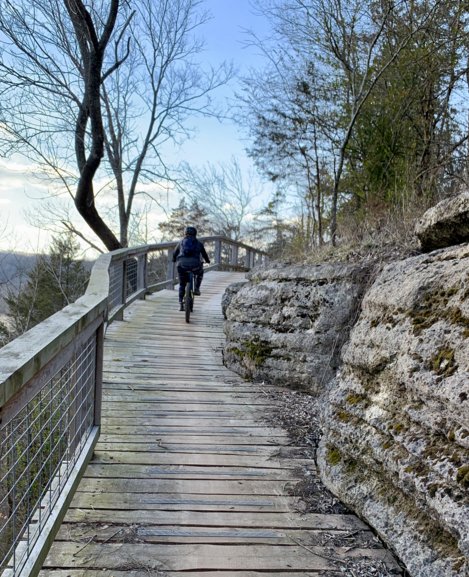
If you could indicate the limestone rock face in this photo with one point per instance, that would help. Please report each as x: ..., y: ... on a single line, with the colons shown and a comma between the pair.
x: 445, y: 224
x: 229, y: 294
x: 396, y: 422
x: 287, y: 325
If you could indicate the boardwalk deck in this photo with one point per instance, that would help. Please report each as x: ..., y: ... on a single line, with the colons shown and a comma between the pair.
x: 186, y: 479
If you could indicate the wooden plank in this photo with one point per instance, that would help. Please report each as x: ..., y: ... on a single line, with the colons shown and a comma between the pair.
x: 125, y: 556
x: 168, y: 534
x: 169, y: 397
x: 113, y: 410
x: 207, y: 429
x: 188, y: 472
x: 269, y: 520
x: 122, y: 444
x: 179, y: 421
x: 173, y: 437
x: 118, y: 405
x: 140, y: 383
x: 193, y: 460
x: 145, y: 573
x: 183, y: 502
x: 186, y: 486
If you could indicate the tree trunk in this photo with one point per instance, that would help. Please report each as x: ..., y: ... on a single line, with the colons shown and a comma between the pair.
x: 92, y: 51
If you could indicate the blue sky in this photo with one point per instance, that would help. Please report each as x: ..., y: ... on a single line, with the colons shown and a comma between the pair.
x: 226, y: 39
x: 214, y: 142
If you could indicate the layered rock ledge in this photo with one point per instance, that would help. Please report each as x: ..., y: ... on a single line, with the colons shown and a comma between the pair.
x: 396, y: 438
x: 394, y: 389
x: 289, y: 324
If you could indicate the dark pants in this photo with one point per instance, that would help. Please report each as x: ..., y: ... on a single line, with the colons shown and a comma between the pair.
x: 183, y: 273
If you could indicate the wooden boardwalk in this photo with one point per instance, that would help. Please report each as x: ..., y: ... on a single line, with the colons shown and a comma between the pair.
x: 186, y: 478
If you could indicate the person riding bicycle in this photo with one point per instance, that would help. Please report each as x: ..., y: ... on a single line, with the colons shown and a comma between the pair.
x: 188, y: 255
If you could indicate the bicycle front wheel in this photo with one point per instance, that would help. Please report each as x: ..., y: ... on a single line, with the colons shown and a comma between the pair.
x: 188, y: 302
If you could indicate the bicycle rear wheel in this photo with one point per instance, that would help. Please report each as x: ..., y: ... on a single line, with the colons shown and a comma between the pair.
x: 188, y: 302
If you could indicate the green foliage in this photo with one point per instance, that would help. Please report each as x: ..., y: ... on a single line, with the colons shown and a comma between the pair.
x: 271, y: 227
x: 407, y: 132
x: 184, y: 215
x: 373, y: 126
x: 54, y: 282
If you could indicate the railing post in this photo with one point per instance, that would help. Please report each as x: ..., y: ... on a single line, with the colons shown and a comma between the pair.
x: 142, y: 273
x: 234, y: 255
x: 218, y: 252
x: 123, y: 290
x: 171, y: 269
x: 247, y: 260
x: 98, y: 389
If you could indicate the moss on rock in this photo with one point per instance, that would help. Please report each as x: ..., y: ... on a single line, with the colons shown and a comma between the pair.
x: 443, y: 362
x: 257, y: 350
x: 462, y: 476
x: 333, y: 456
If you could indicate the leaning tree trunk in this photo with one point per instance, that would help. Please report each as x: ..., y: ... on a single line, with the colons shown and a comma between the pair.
x: 92, y: 51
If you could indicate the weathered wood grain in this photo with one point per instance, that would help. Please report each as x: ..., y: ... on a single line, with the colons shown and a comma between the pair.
x: 196, y: 573
x: 175, y: 438
x: 118, y: 556
x: 282, y: 520
x: 184, y: 502
x: 119, y: 470
x: 184, y: 486
x: 169, y: 534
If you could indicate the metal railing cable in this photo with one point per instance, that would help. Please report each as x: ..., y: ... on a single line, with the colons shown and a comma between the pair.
x: 50, y: 394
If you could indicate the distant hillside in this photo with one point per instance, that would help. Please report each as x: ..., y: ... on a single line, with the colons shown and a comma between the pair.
x: 14, y: 268
x: 13, y: 265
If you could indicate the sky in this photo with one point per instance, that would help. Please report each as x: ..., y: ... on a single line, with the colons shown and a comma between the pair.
x: 215, y: 141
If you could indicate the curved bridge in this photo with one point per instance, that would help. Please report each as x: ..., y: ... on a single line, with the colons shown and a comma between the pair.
x: 187, y: 476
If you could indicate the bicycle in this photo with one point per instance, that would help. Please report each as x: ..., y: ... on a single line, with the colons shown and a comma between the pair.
x: 189, y: 296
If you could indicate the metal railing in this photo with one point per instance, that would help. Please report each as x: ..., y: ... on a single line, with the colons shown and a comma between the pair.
x: 50, y: 394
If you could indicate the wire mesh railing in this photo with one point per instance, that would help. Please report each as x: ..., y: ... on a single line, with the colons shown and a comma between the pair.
x: 50, y: 395
x: 39, y: 450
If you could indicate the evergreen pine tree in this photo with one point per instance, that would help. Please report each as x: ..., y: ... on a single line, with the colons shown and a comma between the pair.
x: 186, y: 215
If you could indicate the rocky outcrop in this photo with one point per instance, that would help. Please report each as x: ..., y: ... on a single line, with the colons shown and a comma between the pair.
x: 288, y: 324
x: 229, y: 294
x: 396, y: 438
x: 445, y: 224
x: 395, y: 415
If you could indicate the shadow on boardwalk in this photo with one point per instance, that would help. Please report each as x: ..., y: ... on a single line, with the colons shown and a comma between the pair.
x: 187, y: 477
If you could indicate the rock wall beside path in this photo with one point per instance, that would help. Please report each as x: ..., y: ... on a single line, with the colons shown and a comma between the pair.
x: 396, y: 423
x: 394, y: 389
x: 289, y: 324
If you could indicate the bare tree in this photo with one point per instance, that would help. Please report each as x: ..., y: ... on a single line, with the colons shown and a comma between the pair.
x: 53, y: 65
x: 113, y: 80
x: 163, y: 81
x: 224, y: 192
